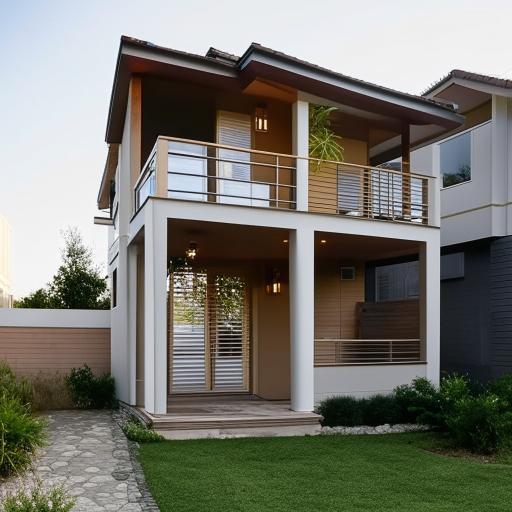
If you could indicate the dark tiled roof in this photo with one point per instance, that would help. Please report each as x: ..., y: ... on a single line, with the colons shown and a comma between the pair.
x: 228, y: 59
x: 473, y: 77
x: 388, y: 90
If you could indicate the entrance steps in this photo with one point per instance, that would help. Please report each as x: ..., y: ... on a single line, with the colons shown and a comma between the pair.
x: 195, y: 417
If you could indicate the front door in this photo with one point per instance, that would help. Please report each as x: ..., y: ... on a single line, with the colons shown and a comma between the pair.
x: 209, y: 332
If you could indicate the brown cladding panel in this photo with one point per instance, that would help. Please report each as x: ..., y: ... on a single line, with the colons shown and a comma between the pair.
x: 48, y: 350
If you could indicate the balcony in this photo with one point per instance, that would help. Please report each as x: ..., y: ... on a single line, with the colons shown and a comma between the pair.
x: 200, y: 171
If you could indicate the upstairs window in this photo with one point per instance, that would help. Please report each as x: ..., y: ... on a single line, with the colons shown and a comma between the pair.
x: 456, y: 160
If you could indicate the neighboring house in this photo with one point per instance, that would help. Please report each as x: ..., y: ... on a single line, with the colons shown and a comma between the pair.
x: 286, y: 293
x: 5, y: 264
x: 475, y: 163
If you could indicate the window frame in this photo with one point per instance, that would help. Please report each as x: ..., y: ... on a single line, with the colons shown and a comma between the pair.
x: 462, y: 132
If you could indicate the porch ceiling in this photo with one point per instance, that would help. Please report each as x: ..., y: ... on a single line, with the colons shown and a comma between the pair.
x: 218, y: 241
x: 226, y: 241
x: 361, y: 248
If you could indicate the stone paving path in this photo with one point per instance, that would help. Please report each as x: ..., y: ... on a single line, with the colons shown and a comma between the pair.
x: 91, y: 458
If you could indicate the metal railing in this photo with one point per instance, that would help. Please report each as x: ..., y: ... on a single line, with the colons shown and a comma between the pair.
x: 368, y: 192
x: 201, y: 171
x: 339, y: 352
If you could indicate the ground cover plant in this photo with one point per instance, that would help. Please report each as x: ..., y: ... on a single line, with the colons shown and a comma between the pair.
x: 38, y: 500
x: 136, y: 431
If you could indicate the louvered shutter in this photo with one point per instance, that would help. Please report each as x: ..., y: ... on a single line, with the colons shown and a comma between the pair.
x: 234, y: 129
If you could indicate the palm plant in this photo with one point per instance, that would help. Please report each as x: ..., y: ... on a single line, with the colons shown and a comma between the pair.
x: 323, y: 142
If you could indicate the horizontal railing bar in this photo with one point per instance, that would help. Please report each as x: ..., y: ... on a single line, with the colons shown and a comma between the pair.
x: 231, y: 160
x: 229, y: 195
x: 238, y: 180
x: 366, y: 339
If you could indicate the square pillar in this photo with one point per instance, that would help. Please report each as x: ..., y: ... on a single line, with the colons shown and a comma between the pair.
x: 302, y: 318
x: 430, y: 297
x: 155, y: 311
x: 132, y: 322
x: 300, y: 147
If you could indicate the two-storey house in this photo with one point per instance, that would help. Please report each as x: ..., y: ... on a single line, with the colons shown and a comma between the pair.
x: 241, y: 268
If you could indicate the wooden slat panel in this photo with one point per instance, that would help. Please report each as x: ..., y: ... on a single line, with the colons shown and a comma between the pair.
x: 33, y: 350
x: 391, y: 319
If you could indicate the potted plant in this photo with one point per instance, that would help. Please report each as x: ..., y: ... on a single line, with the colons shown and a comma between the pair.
x: 324, y: 144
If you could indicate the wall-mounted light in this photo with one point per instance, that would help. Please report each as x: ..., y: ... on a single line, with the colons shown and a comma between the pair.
x: 273, y: 282
x: 191, y: 252
x: 261, y: 119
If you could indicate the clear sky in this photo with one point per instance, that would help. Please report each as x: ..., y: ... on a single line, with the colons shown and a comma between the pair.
x: 57, y: 62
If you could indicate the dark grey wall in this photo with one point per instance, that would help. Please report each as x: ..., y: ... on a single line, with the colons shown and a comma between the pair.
x: 500, y: 349
x: 465, y: 314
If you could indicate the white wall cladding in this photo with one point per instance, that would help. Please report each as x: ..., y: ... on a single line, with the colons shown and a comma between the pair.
x: 70, y: 318
x: 363, y: 381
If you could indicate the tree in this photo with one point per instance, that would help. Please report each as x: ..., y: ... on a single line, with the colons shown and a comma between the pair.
x: 78, y: 283
x: 36, y: 300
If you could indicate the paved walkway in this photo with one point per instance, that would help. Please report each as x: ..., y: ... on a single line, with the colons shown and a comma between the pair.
x: 90, y: 457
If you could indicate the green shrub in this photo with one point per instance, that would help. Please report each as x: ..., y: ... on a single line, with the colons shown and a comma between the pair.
x: 502, y: 387
x: 20, y: 435
x: 380, y: 409
x: 12, y: 387
x: 135, y: 431
x: 419, y: 401
x: 340, y: 410
x: 37, y: 500
x: 482, y: 424
x: 90, y: 392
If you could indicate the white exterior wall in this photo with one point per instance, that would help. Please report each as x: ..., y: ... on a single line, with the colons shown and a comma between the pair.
x: 482, y: 207
x: 67, y: 318
x: 363, y: 381
x: 122, y: 368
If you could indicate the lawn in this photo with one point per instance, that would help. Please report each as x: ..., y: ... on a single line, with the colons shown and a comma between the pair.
x: 344, y: 473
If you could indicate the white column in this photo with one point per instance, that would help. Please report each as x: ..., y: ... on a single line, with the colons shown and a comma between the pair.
x: 132, y: 322
x: 430, y: 305
x: 302, y: 318
x: 155, y: 311
x: 300, y: 147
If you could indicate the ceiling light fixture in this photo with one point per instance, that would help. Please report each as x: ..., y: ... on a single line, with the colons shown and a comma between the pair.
x: 191, y: 252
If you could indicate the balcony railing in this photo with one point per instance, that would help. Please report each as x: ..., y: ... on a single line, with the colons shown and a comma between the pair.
x: 339, y: 352
x: 201, y: 171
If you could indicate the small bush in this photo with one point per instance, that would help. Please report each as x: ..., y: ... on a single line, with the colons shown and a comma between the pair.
x: 481, y: 424
x: 340, y: 410
x: 12, y: 387
x: 135, y: 431
x: 502, y: 387
x: 380, y: 409
x: 20, y: 435
x: 37, y: 500
x: 419, y: 401
x: 90, y: 392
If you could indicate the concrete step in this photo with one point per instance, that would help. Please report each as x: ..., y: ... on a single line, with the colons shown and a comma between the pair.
x: 194, y: 422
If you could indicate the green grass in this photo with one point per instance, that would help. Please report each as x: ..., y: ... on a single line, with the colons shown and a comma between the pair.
x: 345, y: 473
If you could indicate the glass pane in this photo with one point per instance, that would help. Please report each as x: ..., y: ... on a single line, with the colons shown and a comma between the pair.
x: 456, y: 160
x: 187, y: 174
